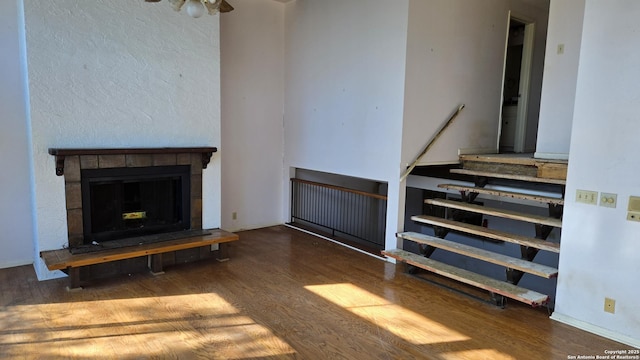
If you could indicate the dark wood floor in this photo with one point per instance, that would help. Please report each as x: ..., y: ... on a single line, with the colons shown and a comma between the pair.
x: 283, y: 294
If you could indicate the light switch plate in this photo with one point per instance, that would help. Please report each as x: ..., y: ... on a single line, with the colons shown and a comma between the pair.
x: 608, y: 200
x: 587, y: 197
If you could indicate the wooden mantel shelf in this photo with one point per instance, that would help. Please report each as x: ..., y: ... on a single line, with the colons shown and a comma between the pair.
x: 61, y: 153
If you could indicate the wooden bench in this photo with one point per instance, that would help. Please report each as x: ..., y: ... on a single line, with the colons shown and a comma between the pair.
x: 71, y: 263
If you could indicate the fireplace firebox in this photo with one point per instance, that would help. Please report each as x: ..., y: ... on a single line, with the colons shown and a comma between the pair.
x: 126, y: 202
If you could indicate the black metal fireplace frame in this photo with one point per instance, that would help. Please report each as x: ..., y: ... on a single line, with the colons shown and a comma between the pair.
x: 89, y: 176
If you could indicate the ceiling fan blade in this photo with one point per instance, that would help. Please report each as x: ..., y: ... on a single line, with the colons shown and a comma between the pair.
x: 225, y: 6
x: 212, y: 6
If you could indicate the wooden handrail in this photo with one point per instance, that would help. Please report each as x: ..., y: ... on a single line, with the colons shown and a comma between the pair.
x: 431, y: 142
x: 340, y: 188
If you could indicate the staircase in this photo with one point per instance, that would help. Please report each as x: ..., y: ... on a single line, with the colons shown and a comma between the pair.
x: 529, y: 181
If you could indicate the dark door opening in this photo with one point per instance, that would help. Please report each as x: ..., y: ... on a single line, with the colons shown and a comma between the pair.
x: 512, y: 96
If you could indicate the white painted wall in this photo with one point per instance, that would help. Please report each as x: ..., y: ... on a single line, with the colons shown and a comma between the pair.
x: 344, y: 91
x: 118, y: 74
x: 252, y: 75
x: 16, y: 207
x: 599, y: 255
x: 455, y: 55
x: 560, y: 77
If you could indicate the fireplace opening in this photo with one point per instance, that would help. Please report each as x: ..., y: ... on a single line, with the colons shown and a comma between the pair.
x: 119, y: 203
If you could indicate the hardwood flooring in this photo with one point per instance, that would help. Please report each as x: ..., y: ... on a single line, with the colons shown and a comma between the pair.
x: 283, y: 295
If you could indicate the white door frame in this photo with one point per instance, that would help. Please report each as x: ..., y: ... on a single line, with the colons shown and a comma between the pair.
x: 525, y: 82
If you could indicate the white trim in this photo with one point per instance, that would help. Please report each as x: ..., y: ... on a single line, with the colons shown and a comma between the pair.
x: 477, y: 151
x: 426, y: 163
x: 594, y: 329
x: 43, y: 273
x: 252, y: 227
x: 504, y: 74
x: 15, y: 263
x: 551, y: 156
x: 339, y: 243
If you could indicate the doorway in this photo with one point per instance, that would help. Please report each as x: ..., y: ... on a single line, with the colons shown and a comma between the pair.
x: 516, y: 81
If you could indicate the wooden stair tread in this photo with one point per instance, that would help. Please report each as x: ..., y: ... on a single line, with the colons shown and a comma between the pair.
x: 519, y: 164
x: 485, y: 255
x: 508, y: 214
x: 503, y: 193
x: 509, y: 176
x: 520, y: 159
x: 527, y: 296
x: 62, y: 259
x: 489, y: 233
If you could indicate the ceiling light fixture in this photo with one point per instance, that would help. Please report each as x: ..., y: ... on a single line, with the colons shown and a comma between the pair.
x: 195, y: 8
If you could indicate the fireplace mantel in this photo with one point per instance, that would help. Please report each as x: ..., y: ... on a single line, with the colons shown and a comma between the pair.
x: 61, y: 153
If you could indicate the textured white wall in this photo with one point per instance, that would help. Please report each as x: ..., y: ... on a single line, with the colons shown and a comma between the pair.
x: 344, y: 91
x: 16, y: 207
x: 252, y: 68
x: 118, y: 74
x: 599, y: 256
x: 455, y: 55
x: 560, y: 77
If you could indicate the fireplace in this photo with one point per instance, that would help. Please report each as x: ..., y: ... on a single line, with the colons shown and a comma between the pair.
x: 127, y: 202
x: 114, y: 194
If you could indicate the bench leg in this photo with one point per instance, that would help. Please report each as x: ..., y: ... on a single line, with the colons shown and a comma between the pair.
x: 223, y: 252
x: 74, y: 279
x: 156, y: 264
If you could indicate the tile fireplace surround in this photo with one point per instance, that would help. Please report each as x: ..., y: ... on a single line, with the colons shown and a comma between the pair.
x: 70, y: 162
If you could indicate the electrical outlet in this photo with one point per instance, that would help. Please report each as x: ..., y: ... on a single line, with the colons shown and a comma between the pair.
x: 633, y: 213
x: 608, y: 200
x: 633, y: 216
x: 587, y: 197
x: 609, y: 305
x: 234, y: 215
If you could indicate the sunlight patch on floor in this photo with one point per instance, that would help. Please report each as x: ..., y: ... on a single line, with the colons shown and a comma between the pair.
x: 172, y: 326
x: 403, y: 323
x: 477, y: 354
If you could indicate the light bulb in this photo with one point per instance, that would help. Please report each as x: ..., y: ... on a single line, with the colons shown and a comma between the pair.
x: 195, y: 9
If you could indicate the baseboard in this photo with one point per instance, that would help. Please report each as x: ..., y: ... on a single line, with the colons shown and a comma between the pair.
x: 627, y: 340
x: 432, y: 163
x: 336, y: 242
x: 477, y: 151
x: 15, y: 263
x: 234, y: 229
x: 45, y: 274
x: 551, y: 156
